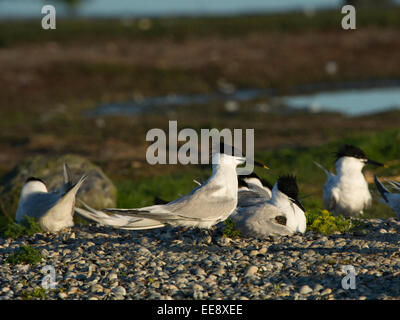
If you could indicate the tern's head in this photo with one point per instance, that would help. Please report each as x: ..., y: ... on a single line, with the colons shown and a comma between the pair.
x: 354, y: 157
x: 32, y: 185
x: 229, y: 155
x: 286, y: 187
x: 254, y: 179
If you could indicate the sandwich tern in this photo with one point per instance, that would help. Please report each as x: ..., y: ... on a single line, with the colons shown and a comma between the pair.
x: 347, y: 192
x: 389, y: 198
x: 205, y: 206
x: 53, y: 210
x: 283, y: 214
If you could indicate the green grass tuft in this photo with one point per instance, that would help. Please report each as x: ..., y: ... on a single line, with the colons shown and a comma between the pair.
x: 28, y: 227
x: 322, y: 221
x: 40, y: 293
x: 230, y: 230
x: 25, y: 255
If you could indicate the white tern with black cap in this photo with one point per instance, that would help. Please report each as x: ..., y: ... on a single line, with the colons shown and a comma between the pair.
x: 283, y: 214
x: 347, y: 192
x: 53, y: 210
x: 211, y: 202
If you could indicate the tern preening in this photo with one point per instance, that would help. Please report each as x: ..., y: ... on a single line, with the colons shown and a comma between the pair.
x: 389, y: 198
x: 283, y: 214
x: 53, y: 210
x: 253, y: 189
x: 211, y: 202
x: 347, y: 192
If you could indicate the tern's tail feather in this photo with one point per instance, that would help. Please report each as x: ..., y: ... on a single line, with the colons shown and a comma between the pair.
x: 328, y: 174
x: 67, y: 180
x: 198, y: 181
x: 395, y: 185
x: 68, y: 186
x: 119, y: 221
x: 69, y: 195
x: 381, y: 188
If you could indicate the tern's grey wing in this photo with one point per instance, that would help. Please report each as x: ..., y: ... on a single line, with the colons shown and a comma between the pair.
x: 252, y: 195
x: 249, y: 198
x: 330, y: 193
x: 38, y: 204
x: 381, y: 188
x: 260, y: 221
x: 207, y: 202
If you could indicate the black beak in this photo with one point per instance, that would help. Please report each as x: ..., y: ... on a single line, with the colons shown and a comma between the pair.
x: 297, y: 202
x: 259, y: 164
x: 374, y: 163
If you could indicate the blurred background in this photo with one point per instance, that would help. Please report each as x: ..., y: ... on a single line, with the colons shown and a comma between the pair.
x: 112, y: 70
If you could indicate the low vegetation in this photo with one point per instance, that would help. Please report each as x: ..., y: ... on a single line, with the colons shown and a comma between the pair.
x: 323, y: 222
x: 25, y: 255
x: 230, y: 230
x: 179, y: 29
x: 28, y: 227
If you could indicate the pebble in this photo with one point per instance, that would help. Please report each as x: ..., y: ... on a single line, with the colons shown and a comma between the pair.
x: 63, y: 295
x: 326, y: 292
x: 251, y: 271
x: 305, y: 290
x: 119, y: 291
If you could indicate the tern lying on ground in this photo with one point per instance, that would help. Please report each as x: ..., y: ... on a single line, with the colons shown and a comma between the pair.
x: 253, y: 190
x: 283, y: 214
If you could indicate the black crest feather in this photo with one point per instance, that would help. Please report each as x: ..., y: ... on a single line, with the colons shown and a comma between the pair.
x: 347, y: 150
x: 34, y: 179
x: 288, y: 185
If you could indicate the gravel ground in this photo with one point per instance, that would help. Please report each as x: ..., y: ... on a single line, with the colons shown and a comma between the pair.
x: 94, y: 262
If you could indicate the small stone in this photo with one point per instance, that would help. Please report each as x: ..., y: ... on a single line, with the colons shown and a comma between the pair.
x: 96, y: 288
x: 73, y: 290
x: 305, y: 290
x: 263, y: 250
x: 318, y: 288
x: 326, y: 292
x: 143, y: 251
x: 119, y: 291
x: 220, y: 272
x: 197, y: 287
x: 251, y: 271
x: 198, y: 271
x: 112, y: 276
x: 63, y: 295
x: 254, y: 252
